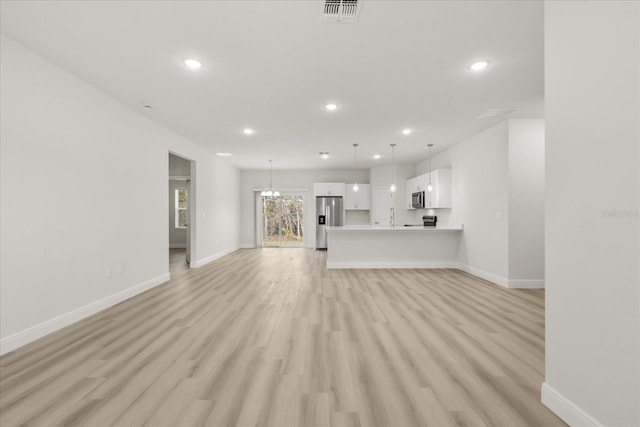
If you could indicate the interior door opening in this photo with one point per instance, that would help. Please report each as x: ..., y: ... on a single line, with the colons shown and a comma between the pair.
x: 282, y: 221
x: 384, y: 214
x: 180, y: 212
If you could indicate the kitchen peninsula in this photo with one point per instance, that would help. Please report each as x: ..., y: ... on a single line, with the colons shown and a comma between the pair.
x: 375, y: 246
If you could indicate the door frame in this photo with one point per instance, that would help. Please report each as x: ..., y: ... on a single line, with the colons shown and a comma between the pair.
x: 375, y: 204
x: 191, y: 207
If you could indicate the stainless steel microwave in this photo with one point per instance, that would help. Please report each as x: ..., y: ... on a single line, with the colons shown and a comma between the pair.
x: 417, y: 200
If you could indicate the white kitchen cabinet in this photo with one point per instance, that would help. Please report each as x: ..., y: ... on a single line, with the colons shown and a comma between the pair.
x: 422, y: 181
x: 357, y: 200
x: 440, y: 197
x: 419, y: 183
x: 329, y: 189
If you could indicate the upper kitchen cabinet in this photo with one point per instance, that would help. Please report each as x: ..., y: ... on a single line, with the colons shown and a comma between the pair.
x: 414, y: 185
x: 329, y: 189
x: 440, y: 197
x: 358, y: 200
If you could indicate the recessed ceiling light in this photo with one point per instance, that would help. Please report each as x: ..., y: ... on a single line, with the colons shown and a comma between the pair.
x: 376, y: 156
x: 479, y: 65
x: 247, y: 131
x: 324, y: 155
x: 193, y: 64
x: 331, y: 107
x: 224, y: 154
x: 406, y: 131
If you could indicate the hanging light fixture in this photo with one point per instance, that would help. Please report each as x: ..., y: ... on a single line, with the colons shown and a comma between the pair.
x: 430, y: 187
x: 270, y: 191
x: 355, y: 160
x: 393, y: 169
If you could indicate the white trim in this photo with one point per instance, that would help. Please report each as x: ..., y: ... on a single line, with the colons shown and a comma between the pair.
x: 526, y: 284
x: 247, y: 246
x: 207, y: 260
x: 485, y: 275
x: 393, y: 264
x: 567, y: 410
x: 177, y: 246
x: 33, y: 333
x: 501, y: 281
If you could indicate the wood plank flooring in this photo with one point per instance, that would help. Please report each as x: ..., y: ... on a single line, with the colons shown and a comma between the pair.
x: 270, y: 337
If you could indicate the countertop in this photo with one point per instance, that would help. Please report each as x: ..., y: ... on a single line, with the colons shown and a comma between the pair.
x: 369, y: 227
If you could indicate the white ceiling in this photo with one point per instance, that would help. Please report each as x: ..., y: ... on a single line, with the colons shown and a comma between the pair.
x: 273, y: 65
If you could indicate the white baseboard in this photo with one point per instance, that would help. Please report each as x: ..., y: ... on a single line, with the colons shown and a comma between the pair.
x: 564, y: 408
x: 253, y: 246
x: 33, y: 333
x: 485, y: 275
x: 501, y: 281
x: 177, y: 246
x: 207, y: 260
x: 392, y: 264
x: 526, y: 284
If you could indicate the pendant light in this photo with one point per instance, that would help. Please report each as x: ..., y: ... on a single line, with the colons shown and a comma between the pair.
x: 270, y: 192
x: 355, y: 160
x: 393, y: 169
x: 430, y: 187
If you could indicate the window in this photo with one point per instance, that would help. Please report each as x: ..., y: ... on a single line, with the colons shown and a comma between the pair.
x: 181, y: 208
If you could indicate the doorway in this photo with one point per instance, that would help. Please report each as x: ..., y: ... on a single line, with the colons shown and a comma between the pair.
x: 180, y: 213
x: 282, y: 221
x: 383, y: 214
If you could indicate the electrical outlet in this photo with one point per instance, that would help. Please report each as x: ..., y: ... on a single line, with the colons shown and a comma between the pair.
x: 499, y: 216
x: 120, y: 268
x: 108, y: 272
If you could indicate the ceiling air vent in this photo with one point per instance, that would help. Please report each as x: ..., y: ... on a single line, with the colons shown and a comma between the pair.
x: 341, y: 10
x: 492, y: 113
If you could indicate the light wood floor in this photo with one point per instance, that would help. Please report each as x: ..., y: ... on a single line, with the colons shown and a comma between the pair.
x: 178, y: 260
x: 270, y: 337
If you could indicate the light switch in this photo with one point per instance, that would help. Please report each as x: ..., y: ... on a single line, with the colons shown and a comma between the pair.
x: 499, y: 216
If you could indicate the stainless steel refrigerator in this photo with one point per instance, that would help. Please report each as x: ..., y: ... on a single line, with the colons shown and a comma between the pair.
x: 329, y: 212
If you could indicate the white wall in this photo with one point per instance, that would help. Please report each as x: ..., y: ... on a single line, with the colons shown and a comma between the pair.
x: 592, y: 57
x: 526, y: 202
x: 480, y: 189
x: 84, y: 186
x: 287, y: 180
x: 498, y: 170
x: 381, y: 178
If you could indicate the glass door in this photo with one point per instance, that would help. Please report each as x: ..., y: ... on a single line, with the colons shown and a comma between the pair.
x: 270, y: 222
x: 283, y: 221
